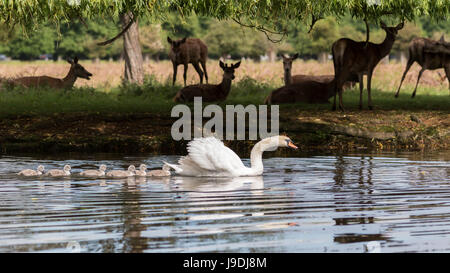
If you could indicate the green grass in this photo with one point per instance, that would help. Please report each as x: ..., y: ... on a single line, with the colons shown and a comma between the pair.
x: 156, y: 97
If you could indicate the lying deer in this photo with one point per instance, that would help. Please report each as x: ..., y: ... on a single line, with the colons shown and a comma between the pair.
x: 308, y: 91
x: 185, y: 51
x: 419, y: 51
x: 76, y: 71
x: 209, y: 92
x: 289, y: 79
x: 350, y: 57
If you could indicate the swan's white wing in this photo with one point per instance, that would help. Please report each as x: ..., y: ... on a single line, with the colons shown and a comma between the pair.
x: 212, y: 155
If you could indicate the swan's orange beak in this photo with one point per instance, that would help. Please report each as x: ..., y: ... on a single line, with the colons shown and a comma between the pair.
x: 291, y: 145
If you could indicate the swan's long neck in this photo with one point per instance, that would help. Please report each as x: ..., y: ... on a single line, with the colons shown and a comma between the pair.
x: 257, y: 151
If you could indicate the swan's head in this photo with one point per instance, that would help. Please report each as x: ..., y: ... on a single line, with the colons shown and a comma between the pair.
x: 67, y: 168
x: 132, y: 168
x: 143, y: 167
x: 40, y: 168
x: 272, y: 143
x: 282, y: 141
x: 102, y: 167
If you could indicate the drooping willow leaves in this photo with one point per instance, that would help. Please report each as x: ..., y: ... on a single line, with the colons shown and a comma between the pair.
x: 265, y: 14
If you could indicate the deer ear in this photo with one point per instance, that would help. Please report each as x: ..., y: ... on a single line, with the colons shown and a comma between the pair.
x: 236, y: 65
x: 295, y: 56
x: 183, y: 40
x: 221, y: 65
x: 400, y: 26
x: 169, y: 40
x: 382, y: 24
x: 75, y: 60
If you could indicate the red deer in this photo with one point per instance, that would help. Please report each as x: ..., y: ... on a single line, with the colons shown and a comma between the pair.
x: 308, y: 91
x: 209, y: 92
x: 289, y: 79
x: 185, y: 51
x: 421, y: 51
x: 350, y: 57
x: 76, y: 71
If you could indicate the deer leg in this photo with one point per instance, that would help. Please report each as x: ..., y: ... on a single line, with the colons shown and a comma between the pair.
x: 447, y: 73
x: 185, y: 73
x: 174, y: 74
x: 361, y: 87
x: 341, y: 104
x: 199, y: 71
x: 204, y: 70
x: 334, y: 101
x: 408, y: 66
x: 417, y: 83
x: 337, y: 88
x: 369, y: 89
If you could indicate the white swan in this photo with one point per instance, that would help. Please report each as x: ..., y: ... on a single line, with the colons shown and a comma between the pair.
x: 210, y: 157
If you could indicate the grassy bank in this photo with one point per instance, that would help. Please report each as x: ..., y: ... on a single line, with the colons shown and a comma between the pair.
x: 107, y: 116
x: 156, y: 97
x: 137, y: 118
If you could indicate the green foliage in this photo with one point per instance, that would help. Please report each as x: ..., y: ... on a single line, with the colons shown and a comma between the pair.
x: 58, y: 21
x: 32, y: 46
x: 271, y: 13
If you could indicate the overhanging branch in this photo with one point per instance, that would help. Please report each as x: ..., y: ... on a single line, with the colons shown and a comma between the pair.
x: 132, y: 20
x: 264, y: 30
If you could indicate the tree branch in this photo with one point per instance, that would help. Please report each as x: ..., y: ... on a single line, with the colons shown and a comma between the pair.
x: 132, y: 20
x: 313, y: 22
x: 264, y: 30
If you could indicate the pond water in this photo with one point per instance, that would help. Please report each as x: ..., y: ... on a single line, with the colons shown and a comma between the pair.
x: 316, y: 203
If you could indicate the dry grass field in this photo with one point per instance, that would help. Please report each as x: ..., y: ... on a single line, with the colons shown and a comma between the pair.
x: 108, y: 74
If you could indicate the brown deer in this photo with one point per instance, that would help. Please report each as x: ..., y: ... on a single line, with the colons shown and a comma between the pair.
x: 421, y: 51
x: 289, y: 79
x: 76, y: 71
x: 308, y: 91
x: 350, y: 57
x: 209, y: 92
x: 185, y: 51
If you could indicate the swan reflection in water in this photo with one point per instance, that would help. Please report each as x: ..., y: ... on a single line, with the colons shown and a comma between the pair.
x: 205, y: 194
x: 204, y: 186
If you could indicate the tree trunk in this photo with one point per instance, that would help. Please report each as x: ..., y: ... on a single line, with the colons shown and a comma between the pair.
x: 272, y: 55
x: 323, y: 57
x: 403, y: 57
x: 134, y: 71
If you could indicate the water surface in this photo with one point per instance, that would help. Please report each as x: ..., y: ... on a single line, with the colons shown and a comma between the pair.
x: 328, y: 203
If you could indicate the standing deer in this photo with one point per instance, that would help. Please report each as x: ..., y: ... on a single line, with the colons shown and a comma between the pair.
x: 289, y: 79
x: 209, y: 92
x: 350, y: 57
x: 76, y: 71
x: 420, y: 52
x: 185, y: 51
x: 308, y: 91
